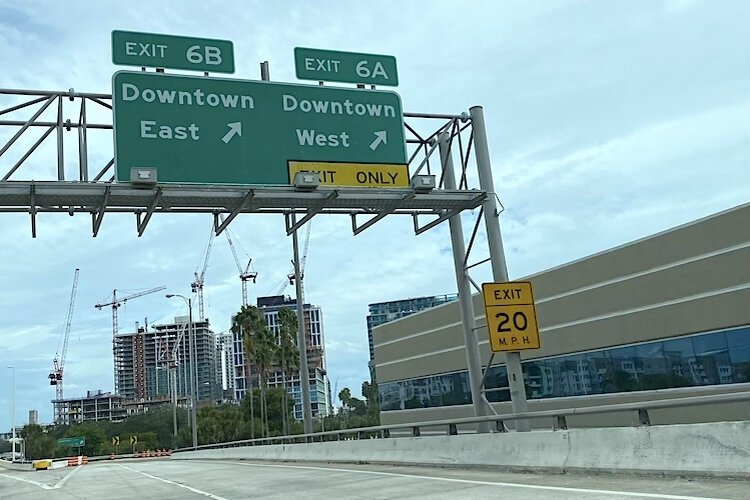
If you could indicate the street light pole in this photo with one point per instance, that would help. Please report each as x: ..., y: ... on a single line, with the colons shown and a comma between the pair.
x: 193, y: 371
x: 193, y: 368
x: 173, y: 390
x: 13, y: 410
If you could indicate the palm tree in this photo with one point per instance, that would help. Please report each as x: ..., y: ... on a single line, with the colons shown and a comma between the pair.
x: 264, y: 355
x: 345, y: 395
x: 250, y: 323
x: 287, y: 356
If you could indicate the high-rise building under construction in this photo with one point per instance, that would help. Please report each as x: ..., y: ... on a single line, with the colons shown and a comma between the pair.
x: 146, y: 359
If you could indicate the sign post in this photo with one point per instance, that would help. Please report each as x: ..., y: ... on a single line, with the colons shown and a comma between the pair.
x: 348, y: 67
x: 219, y: 131
x: 497, y: 255
x: 511, y: 316
x: 176, y: 52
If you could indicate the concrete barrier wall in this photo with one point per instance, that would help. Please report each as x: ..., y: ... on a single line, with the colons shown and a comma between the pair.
x: 14, y: 466
x: 714, y: 449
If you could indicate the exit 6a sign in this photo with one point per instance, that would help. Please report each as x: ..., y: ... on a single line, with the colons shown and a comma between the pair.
x: 511, y: 316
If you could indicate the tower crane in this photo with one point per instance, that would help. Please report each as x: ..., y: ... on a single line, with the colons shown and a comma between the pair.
x: 197, y: 285
x: 245, y: 274
x: 117, y: 302
x: 58, y: 363
x: 290, y: 275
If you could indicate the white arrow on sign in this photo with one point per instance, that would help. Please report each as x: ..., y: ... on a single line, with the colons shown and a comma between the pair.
x: 380, y: 137
x: 235, y: 128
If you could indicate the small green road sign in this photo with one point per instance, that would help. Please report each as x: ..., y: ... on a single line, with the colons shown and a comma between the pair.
x: 350, y: 67
x: 218, y: 131
x: 167, y: 51
x: 116, y: 441
x: 72, y: 442
x: 133, y: 439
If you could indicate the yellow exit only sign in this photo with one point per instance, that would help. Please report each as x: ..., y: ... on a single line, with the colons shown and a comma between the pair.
x: 366, y: 175
x: 511, y: 316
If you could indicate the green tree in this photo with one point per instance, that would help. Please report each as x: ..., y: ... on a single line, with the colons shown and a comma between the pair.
x: 287, y: 354
x: 39, y: 443
x: 280, y: 410
x: 220, y: 424
x: 250, y: 323
x: 345, y: 396
x: 372, y: 396
x: 92, y: 432
x: 157, y: 420
x: 358, y: 407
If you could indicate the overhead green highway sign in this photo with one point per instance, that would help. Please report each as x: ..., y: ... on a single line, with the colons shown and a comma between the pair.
x: 350, y: 67
x: 130, y: 48
x: 219, y: 131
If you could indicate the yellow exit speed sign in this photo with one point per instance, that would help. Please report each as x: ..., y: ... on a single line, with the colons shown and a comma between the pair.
x: 511, y: 316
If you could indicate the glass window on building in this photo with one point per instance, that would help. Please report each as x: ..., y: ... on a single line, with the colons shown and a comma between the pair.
x: 712, y: 358
x: 679, y: 356
x: 738, y: 342
x: 497, y: 378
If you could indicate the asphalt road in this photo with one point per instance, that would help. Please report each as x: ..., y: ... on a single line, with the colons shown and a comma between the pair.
x: 218, y: 480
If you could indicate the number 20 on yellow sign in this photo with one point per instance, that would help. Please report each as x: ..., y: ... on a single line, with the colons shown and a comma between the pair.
x: 511, y: 316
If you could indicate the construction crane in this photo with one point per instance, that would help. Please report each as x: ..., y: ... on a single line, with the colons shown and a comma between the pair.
x: 290, y: 275
x: 117, y: 302
x: 197, y: 285
x: 245, y: 274
x: 58, y: 363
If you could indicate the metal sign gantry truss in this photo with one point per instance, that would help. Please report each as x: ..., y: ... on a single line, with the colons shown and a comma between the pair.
x: 433, y: 142
x: 22, y: 156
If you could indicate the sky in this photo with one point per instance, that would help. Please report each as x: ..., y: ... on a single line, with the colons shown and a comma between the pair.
x: 607, y: 121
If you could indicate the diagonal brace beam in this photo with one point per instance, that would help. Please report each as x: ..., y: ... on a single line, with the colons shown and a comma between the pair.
x: 27, y: 124
x: 358, y: 229
x: 28, y: 153
x: 97, y: 218
x: 443, y: 217
x: 310, y: 213
x: 234, y: 213
x: 141, y: 224
x: 104, y: 170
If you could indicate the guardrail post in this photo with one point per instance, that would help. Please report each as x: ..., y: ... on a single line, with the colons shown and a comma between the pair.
x: 561, y: 423
x: 500, y: 426
x: 361, y: 435
x: 415, y: 431
x: 452, y: 430
x: 385, y: 433
x: 643, y: 418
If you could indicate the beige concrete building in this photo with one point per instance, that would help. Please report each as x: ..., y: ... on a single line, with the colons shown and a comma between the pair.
x: 661, y: 317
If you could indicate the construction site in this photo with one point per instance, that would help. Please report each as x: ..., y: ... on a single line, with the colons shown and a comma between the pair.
x: 166, y: 363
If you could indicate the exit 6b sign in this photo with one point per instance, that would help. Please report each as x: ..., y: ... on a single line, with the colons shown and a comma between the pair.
x: 511, y: 316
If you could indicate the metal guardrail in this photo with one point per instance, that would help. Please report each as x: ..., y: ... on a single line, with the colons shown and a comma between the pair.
x: 451, y: 426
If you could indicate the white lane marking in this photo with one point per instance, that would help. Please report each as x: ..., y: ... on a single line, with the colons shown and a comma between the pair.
x: 43, y: 486
x: 189, y: 488
x: 62, y: 481
x: 492, y: 483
